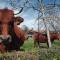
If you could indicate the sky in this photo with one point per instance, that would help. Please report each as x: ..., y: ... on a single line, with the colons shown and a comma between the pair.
x: 29, y: 15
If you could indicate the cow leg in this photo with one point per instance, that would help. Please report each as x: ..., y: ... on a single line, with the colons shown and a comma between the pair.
x: 39, y: 44
x: 52, y: 41
x: 36, y: 44
x: 47, y: 44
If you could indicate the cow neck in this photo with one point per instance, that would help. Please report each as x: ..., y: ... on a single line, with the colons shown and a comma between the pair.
x: 5, y: 29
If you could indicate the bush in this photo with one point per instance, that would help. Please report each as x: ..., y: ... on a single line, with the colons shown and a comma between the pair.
x: 18, y: 55
x: 49, y: 54
x: 41, y: 54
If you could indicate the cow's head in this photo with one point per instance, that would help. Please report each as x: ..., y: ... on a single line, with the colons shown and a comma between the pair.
x: 6, y: 18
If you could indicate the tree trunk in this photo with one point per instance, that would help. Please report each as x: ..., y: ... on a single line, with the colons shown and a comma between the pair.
x: 48, y: 35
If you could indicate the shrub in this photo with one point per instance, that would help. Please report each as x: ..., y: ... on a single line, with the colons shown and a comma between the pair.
x: 41, y: 54
x: 49, y: 54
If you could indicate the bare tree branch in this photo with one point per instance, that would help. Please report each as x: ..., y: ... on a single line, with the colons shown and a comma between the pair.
x: 20, y: 7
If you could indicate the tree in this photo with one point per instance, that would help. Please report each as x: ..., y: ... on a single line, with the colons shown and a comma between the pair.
x: 19, y: 5
x: 52, y: 15
x: 46, y: 12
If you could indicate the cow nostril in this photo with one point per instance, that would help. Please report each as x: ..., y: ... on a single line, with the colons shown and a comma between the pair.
x: 8, y: 38
x: 0, y: 41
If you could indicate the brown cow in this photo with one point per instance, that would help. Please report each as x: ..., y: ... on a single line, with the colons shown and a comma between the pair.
x: 11, y: 36
x: 42, y: 38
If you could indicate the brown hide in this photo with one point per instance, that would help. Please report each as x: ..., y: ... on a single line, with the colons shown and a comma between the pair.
x: 54, y: 36
x: 8, y: 24
x: 19, y: 32
x: 39, y: 37
x: 0, y: 14
x: 5, y: 18
x: 42, y: 38
x: 4, y: 29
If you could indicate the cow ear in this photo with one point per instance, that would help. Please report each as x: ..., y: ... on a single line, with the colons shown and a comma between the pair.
x: 19, y: 20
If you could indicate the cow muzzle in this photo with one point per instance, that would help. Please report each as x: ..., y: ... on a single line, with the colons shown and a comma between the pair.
x: 6, y: 39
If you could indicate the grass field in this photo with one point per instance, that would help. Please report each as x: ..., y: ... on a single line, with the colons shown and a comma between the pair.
x: 45, y: 53
x: 29, y: 45
x: 31, y: 53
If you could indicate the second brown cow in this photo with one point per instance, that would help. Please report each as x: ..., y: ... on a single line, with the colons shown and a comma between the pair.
x: 42, y: 38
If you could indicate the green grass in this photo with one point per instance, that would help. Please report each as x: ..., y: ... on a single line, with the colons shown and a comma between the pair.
x: 56, y: 44
x: 31, y: 53
x: 29, y: 45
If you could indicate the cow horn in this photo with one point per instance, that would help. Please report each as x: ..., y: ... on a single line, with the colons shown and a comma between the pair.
x: 19, y: 11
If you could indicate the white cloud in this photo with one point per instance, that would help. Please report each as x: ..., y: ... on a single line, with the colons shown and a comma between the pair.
x: 28, y: 23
